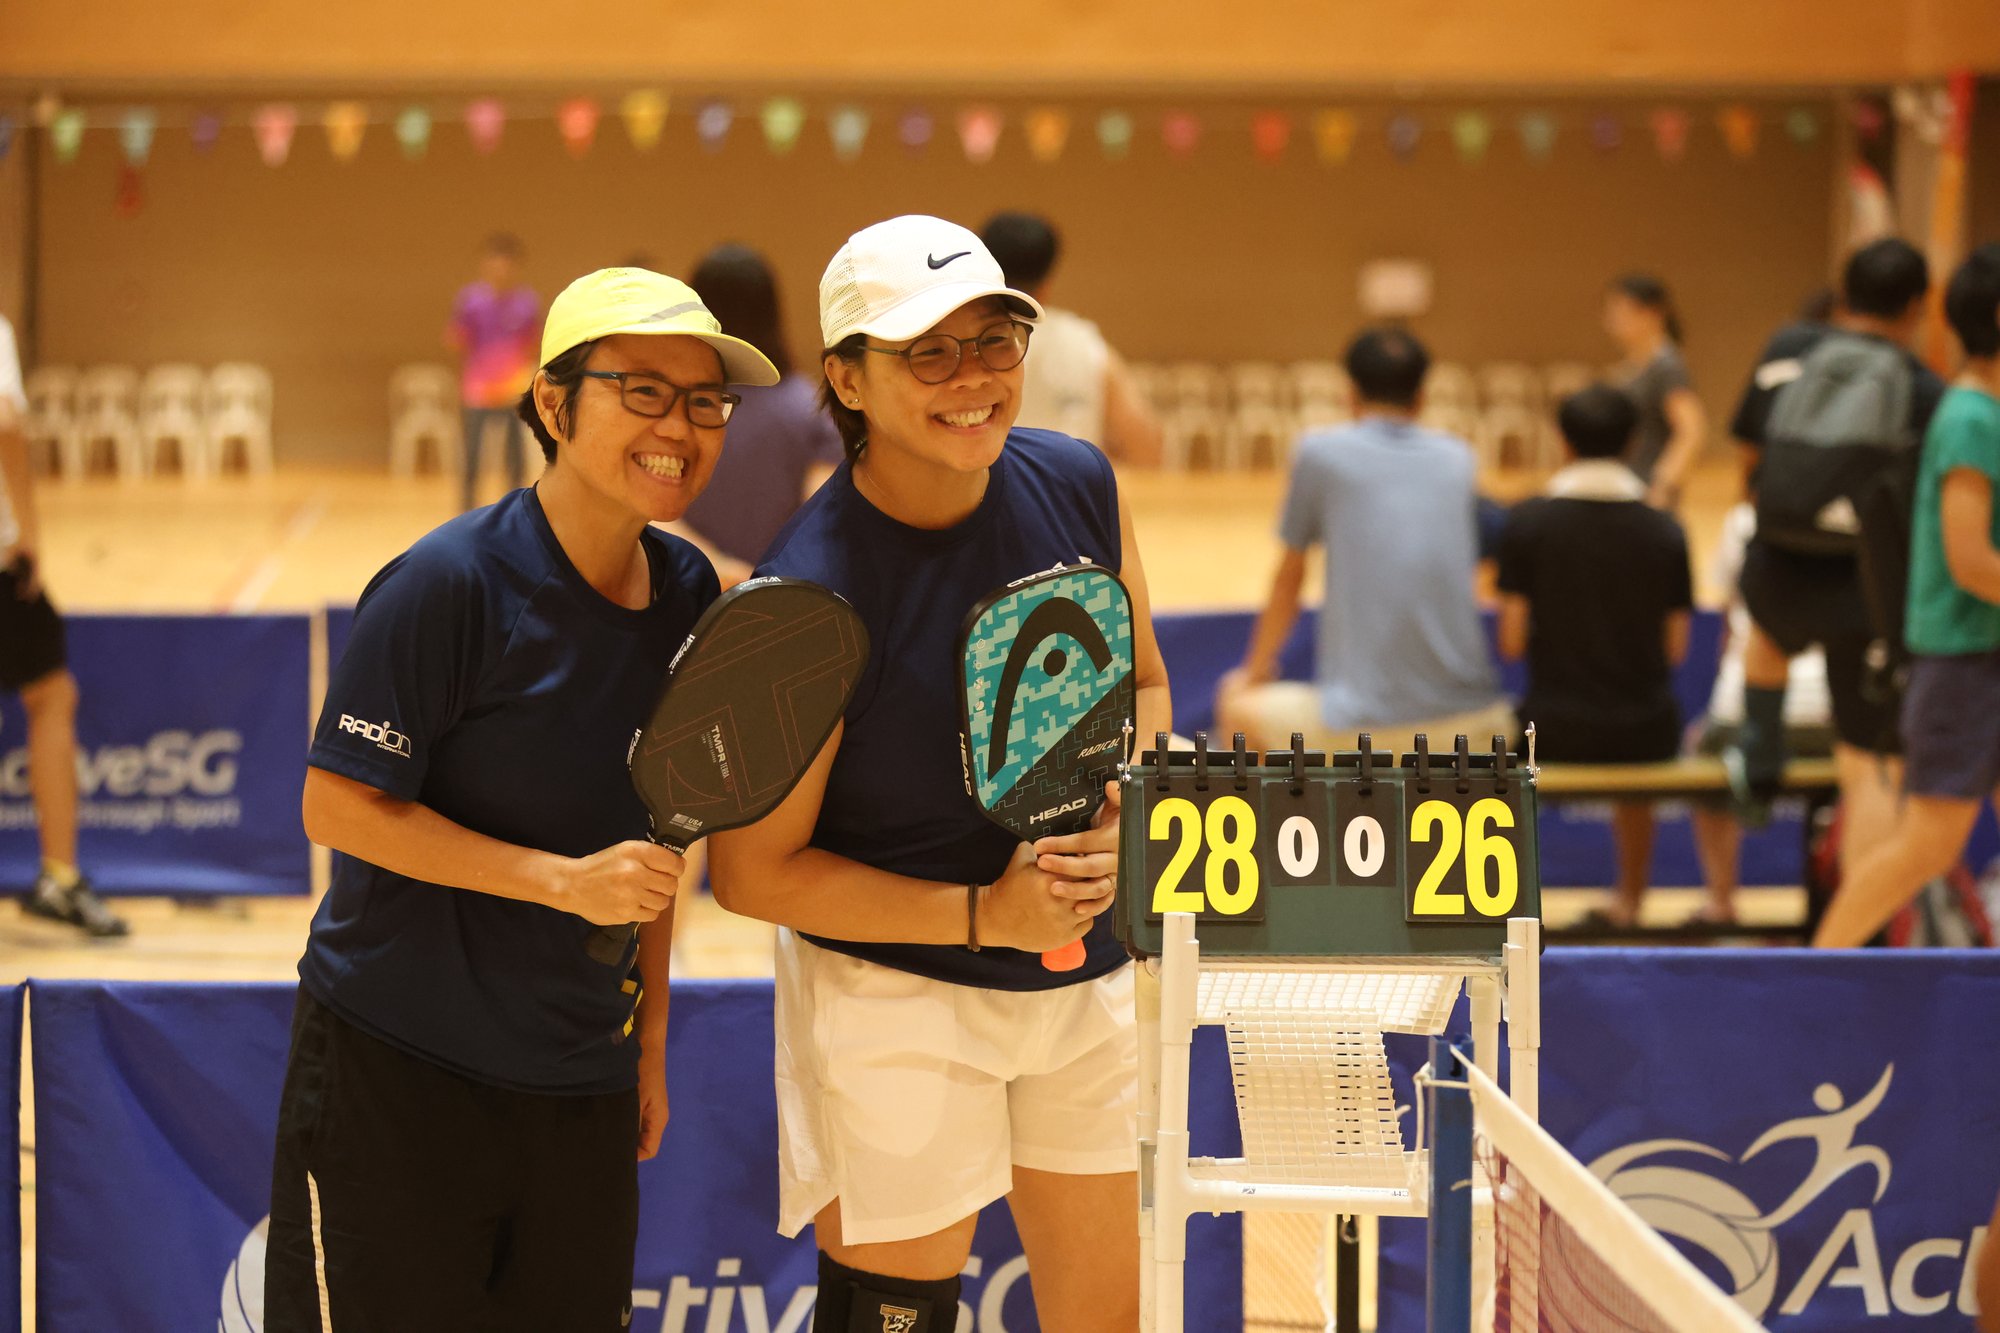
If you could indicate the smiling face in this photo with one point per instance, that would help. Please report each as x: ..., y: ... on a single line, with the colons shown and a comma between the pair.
x: 653, y: 467
x: 959, y: 425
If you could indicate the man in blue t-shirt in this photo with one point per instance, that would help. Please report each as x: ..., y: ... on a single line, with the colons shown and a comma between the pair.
x: 1400, y: 646
x: 469, y: 1091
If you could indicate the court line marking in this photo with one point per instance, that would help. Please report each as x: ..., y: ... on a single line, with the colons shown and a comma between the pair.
x: 243, y: 593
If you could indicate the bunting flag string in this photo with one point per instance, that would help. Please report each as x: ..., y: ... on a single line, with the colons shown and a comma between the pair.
x: 1332, y: 134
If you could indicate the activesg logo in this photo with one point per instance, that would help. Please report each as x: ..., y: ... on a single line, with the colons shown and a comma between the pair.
x: 174, y: 779
x: 725, y: 1303
x: 1703, y: 1204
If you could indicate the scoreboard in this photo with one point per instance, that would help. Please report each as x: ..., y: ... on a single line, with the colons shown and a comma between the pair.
x: 1301, y: 853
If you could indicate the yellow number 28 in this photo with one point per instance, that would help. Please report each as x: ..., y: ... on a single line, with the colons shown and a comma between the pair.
x: 1229, y: 830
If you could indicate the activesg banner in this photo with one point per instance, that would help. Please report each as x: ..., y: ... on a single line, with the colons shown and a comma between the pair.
x: 191, y: 740
x: 1816, y: 1131
x: 156, y: 1107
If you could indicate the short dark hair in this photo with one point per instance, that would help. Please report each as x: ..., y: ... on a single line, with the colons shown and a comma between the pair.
x: 1388, y: 366
x: 1646, y: 290
x: 1972, y: 302
x: 566, y: 373
x: 1026, y: 246
x: 736, y: 285
x: 505, y: 244
x: 1883, y: 278
x: 852, y: 425
x: 1598, y: 421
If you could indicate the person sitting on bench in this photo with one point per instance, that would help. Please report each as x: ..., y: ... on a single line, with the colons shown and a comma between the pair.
x: 1595, y: 591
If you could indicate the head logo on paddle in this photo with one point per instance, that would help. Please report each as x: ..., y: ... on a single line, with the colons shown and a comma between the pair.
x: 749, y: 699
x: 1047, y: 691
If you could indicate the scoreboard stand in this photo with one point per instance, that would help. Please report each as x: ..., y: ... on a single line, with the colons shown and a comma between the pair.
x: 1310, y: 903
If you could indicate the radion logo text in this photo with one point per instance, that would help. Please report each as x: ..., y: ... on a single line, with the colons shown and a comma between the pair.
x: 385, y: 736
x: 170, y: 763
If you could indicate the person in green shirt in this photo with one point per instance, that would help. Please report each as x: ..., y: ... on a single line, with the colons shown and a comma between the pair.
x: 1951, y: 710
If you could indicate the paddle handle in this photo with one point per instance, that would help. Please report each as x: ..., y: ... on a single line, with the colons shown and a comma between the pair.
x: 1066, y: 959
x: 608, y: 943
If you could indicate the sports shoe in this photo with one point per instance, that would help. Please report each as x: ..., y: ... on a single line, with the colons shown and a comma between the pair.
x: 1750, y: 797
x: 78, y: 905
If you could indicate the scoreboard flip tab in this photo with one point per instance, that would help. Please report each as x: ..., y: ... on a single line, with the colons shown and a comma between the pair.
x: 1304, y: 854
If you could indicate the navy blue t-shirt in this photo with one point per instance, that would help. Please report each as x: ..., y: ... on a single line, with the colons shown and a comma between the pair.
x: 488, y: 681
x: 896, y: 797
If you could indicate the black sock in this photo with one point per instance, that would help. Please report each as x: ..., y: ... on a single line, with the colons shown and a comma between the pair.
x: 1763, y: 734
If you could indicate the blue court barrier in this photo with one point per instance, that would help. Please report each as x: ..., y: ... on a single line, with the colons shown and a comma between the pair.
x: 1815, y: 1131
x: 190, y: 737
x: 156, y: 1107
x: 10, y: 1161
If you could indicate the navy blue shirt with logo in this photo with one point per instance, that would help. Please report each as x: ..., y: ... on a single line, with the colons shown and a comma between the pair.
x: 896, y: 797
x: 488, y: 681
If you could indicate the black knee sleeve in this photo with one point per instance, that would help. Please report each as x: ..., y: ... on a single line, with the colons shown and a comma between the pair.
x: 851, y: 1301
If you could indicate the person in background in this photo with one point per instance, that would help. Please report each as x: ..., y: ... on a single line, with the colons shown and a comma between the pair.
x: 1077, y: 383
x: 1640, y: 317
x: 1800, y: 594
x: 1401, y: 650
x: 781, y: 445
x: 1951, y: 707
x: 1595, y: 592
x: 34, y: 665
x: 1808, y: 714
x: 494, y: 323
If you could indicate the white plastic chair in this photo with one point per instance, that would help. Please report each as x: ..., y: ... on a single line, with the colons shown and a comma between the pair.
x: 1564, y: 378
x: 107, y: 412
x: 51, y: 425
x: 238, y: 402
x: 423, y: 408
x: 170, y: 414
x: 1189, y: 430
x: 1260, y: 430
x: 1198, y: 386
x: 1152, y: 383
x: 1513, y: 435
x: 1258, y: 384
x: 1322, y: 393
x: 1510, y: 384
x: 1450, y: 384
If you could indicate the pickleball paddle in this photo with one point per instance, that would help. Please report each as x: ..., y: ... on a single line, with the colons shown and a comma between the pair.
x: 749, y: 699
x: 1046, y: 680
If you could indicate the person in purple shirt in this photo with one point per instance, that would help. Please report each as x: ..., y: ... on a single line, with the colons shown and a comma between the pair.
x: 494, y: 324
x: 781, y: 445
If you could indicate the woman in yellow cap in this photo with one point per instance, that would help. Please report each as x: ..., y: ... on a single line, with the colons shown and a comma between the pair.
x: 469, y: 1092
x: 928, y: 1063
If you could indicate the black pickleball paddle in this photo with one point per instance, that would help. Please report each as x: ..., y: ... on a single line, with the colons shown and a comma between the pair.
x: 749, y: 699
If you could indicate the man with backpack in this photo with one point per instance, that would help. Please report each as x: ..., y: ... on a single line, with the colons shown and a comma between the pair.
x: 1836, y: 414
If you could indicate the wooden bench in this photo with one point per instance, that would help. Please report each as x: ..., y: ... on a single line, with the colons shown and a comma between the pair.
x: 1695, y: 778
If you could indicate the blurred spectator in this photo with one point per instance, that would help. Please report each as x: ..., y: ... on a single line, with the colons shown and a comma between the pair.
x: 1951, y: 709
x: 780, y: 446
x: 494, y: 326
x: 1595, y: 592
x: 1802, y: 571
x: 1075, y: 383
x: 1400, y: 645
x: 34, y: 665
x: 1640, y: 317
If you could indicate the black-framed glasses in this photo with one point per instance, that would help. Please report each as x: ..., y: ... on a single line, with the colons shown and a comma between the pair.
x: 936, y: 357
x: 651, y: 396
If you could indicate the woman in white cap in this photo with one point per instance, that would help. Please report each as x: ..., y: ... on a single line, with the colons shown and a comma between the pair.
x: 928, y: 1063
x: 469, y: 1092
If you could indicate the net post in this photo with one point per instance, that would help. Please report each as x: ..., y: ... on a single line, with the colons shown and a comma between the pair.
x: 1146, y: 992
x: 1448, y: 1300
x: 1180, y: 965
x: 1524, y: 1014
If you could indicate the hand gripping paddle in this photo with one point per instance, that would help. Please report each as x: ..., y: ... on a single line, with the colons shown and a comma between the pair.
x: 749, y: 699
x: 1046, y: 670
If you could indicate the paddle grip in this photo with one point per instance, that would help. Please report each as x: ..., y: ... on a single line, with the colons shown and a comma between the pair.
x: 607, y: 943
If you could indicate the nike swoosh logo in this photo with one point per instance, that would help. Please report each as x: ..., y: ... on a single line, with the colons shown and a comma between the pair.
x: 937, y: 263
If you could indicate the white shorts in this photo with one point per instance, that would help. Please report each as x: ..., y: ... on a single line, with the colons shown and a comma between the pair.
x: 912, y: 1100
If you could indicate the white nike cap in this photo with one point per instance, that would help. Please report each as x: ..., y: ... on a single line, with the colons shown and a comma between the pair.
x: 897, y: 279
